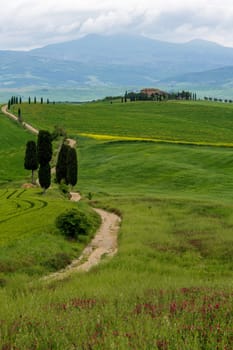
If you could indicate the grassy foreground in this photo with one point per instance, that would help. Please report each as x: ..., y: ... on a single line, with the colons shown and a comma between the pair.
x: 170, y: 285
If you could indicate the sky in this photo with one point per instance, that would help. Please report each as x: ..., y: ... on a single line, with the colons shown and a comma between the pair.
x: 27, y: 24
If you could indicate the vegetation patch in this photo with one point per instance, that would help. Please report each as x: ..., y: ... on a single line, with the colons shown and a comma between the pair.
x: 75, y: 223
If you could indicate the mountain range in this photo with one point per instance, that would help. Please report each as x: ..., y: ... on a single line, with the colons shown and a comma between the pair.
x: 124, y: 61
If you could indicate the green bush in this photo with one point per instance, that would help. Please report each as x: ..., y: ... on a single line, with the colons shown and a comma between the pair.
x: 63, y: 187
x: 58, y: 261
x: 73, y: 223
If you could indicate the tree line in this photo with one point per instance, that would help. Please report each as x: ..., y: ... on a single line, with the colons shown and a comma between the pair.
x: 215, y: 99
x: 38, y: 156
x: 142, y: 96
x: 15, y: 100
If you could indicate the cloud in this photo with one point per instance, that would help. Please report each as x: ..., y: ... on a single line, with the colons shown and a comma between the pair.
x: 33, y: 23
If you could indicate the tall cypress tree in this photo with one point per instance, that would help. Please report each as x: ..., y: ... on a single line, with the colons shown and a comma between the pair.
x: 44, y: 147
x: 19, y: 116
x: 30, y: 159
x: 45, y: 176
x: 44, y: 154
x: 72, y: 167
x: 61, y: 166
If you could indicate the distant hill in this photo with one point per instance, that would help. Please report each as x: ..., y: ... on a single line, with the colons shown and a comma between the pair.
x: 221, y: 78
x: 166, y: 58
x: 116, y: 61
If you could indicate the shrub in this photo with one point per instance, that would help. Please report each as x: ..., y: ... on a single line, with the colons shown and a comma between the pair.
x: 63, y: 187
x: 58, y: 261
x: 73, y: 223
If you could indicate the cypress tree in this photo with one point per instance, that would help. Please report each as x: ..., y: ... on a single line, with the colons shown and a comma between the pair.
x: 29, y: 100
x: 41, y: 100
x: 35, y: 99
x: 9, y: 105
x: 20, y: 100
x: 44, y: 147
x: 72, y: 167
x: 30, y: 159
x: 19, y: 116
x: 126, y: 93
x: 61, y: 166
x: 45, y: 176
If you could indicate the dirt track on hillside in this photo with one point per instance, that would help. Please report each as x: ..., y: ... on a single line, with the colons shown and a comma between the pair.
x: 103, y: 244
x: 25, y: 125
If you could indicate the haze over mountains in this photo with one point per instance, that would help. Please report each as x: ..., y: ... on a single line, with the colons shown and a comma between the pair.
x: 119, y: 61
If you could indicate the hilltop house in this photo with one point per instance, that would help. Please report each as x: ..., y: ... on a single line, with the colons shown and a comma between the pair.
x: 152, y: 92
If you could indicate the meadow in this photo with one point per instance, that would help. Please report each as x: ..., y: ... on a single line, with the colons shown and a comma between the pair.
x: 174, y: 121
x: 170, y: 285
x: 12, y: 146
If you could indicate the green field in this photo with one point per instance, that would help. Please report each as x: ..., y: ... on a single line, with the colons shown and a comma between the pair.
x: 12, y: 146
x: 199, y: 122
x: 170, y: 285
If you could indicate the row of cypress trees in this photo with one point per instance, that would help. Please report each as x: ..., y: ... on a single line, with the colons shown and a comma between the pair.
x: 67, y: 166
x: 40, y: 155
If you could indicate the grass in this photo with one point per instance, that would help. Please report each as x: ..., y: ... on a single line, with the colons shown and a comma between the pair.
x: 12, y: 148
x: 174, y: 121
x: 170, y: 285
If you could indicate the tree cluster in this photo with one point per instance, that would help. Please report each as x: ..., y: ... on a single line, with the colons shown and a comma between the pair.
x: 183, y: 95
x: 14, y: 100
x: 40, y: 154
x: 67, y: 166
x: 157, y: 96
x: 215, y: 99
x: 141, y: 96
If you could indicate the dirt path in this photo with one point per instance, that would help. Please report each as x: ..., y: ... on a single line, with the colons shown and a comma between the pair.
x: 25, y: 125
x: 71, y: 142
x: 105, y: 241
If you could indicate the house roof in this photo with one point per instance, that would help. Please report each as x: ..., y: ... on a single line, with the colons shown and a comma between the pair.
x: 150, y: 91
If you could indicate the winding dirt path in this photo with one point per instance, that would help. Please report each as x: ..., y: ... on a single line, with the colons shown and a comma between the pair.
x: 105, y: 241
x: 25, y: 125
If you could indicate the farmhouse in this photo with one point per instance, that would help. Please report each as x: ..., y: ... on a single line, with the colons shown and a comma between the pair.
x: 151, y: 92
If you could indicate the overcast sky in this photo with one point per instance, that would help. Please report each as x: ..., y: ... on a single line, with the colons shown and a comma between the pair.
x: 27, y: 24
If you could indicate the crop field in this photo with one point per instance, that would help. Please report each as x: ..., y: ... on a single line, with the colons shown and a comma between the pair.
x: 170, y: 285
